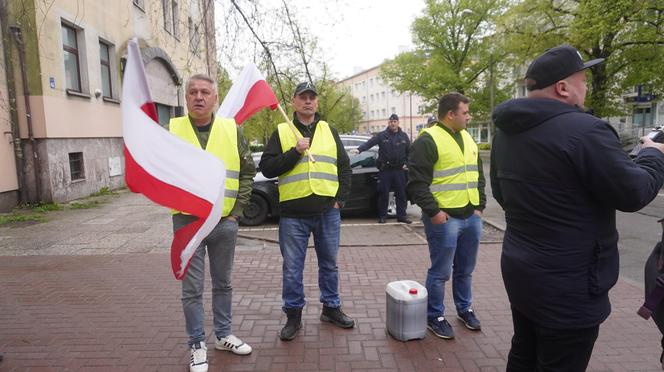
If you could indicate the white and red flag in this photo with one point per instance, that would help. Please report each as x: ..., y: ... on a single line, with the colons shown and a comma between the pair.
x: 249, y: 94
x: 166, y: 169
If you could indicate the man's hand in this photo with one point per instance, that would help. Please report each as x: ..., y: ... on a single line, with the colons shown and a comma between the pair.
x: 647, y: 142
x: 232, y: 218
x: 477, y: 212
x: 302, y: 145
x: 354, y: 151
x: 440, y: 218
x: 337, y: 205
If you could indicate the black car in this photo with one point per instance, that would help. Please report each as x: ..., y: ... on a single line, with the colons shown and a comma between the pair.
x: 363, y: 197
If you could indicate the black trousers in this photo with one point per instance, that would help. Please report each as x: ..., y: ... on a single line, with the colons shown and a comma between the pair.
x: 388, y: 179
x: 537, y: 348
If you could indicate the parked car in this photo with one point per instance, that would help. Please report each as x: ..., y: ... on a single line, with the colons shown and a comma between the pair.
x: 363, y: 197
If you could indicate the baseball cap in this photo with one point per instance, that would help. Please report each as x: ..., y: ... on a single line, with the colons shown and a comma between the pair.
x: 305, y: 87
x: 394, y: 117
x: 556, y: 64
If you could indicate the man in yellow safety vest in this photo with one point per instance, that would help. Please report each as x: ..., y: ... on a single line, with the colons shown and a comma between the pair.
x: 222, y: 138
x: 311, y: 195
x: 446, y: 181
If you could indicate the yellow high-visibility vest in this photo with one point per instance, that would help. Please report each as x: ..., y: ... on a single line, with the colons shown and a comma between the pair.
x: 455, y: 173
x: 308, y: 178
x: 222, y: 143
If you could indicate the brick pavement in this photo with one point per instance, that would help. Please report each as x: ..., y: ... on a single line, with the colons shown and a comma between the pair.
x: 121, y: 312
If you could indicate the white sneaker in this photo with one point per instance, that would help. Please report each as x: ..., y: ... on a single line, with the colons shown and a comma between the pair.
x: 199, y: 362
x: 232, y: 344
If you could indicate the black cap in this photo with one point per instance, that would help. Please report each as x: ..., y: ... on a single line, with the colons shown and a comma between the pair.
x: 431, y: 119
x: 555, y: 65
x: 305, y: 87
x: 394, y: 117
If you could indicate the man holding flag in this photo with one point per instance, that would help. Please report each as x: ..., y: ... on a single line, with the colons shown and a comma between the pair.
x: 314, y: 182
x: 222, y: 138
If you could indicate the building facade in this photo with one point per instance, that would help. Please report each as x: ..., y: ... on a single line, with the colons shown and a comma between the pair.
x: 379, y: 100
x: 61, y: 88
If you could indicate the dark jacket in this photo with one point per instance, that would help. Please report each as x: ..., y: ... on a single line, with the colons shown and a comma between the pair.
x: 560, y: 174
x: 423, y: 156
x: 274, y: 163
x: 392, y: 148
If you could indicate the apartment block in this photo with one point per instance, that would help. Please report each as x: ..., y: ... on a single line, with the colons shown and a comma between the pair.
x: 379, y: 100
x: 61, y: 84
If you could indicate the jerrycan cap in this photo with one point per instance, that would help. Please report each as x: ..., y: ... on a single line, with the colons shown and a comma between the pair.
x: 412, y: 291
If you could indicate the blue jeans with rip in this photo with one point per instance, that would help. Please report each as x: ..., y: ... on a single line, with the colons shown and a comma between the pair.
x: 453, y: 249
x: 293, y: 240
x: 220, y: 246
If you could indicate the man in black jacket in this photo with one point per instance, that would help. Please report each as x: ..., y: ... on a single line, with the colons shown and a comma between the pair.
x: 393, y: 146
x: 560, y: 175
x: 311, y: 194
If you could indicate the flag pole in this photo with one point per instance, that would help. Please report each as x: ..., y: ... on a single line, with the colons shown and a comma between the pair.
x: 297, y: 135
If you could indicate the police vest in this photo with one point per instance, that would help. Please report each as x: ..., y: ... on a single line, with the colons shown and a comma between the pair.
x: 222, y: 143
x: 308, y: 178
x: 455, y: 173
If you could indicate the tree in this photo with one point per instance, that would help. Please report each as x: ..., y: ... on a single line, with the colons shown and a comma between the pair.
x: 287, y: 51
x: 455, y: 49
x: 628, y: 34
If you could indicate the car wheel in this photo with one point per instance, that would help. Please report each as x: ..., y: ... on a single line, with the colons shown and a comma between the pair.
x: 255, y: 212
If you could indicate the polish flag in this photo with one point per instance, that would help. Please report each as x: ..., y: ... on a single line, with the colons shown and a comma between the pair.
x: 248, y: 94
x: 166, y: 169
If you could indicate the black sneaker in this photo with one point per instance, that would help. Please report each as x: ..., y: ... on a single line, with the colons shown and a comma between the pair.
x: 405, y: 220
x: 441, y: 328
x: 470, y: 320
x: 337, y: 317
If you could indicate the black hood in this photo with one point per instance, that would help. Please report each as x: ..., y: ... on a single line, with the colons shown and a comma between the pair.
x: 521, y: 114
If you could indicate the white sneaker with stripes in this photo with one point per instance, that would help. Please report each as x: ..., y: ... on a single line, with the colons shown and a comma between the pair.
x: 232, y: 344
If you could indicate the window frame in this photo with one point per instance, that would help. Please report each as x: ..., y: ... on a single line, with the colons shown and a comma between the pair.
x: 75, y: 52
x: 107, y: 63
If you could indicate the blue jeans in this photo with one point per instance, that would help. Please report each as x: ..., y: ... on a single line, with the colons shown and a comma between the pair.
x: 221, y: 251
x: 293, y: 240
x: 453, y: 251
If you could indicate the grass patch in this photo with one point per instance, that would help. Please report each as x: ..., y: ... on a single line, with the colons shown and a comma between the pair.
x: 46, y: 207
x: 84, y: 205
x: 13, y: 218
x: 103, y: 191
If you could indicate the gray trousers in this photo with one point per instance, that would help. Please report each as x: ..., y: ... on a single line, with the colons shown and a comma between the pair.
x: 220, y: 246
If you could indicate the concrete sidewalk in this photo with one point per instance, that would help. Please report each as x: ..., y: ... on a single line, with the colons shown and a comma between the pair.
x: 92, y: 290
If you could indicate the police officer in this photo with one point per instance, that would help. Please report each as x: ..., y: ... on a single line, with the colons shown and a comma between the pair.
x: 393, y: 146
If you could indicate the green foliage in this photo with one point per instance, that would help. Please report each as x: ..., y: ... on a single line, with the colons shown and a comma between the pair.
x: 103, y: 191
x: 629, y: 34
x: 46, y: 207
x: 457, y: 49
x: 335, y: 105
x: 14, y: 218
x: 84, y: 205
x: 484, y: 146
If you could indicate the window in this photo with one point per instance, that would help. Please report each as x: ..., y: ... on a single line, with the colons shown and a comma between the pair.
x: 163, y: 113
x: 194, y: 36
x: 168, y: 20
x: 176, y: 14
x: 383, y: 112
x: 105, y: 63
x: 70, y: 52
x: 394, y: 110
x: 76, y: 170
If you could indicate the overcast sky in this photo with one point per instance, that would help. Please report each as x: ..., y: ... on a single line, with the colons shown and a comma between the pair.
x: 351, y: 33
x: 361, y: 33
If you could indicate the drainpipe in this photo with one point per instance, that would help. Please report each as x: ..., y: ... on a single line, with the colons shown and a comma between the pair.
x: 11, y: 95
x: 16, y: 32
